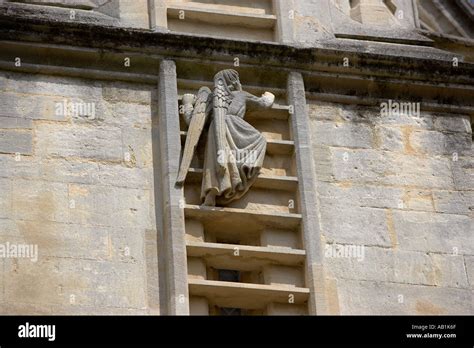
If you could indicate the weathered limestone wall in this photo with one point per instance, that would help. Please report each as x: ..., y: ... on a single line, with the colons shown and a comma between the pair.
x: 80, y: 186
x: 403, y: 187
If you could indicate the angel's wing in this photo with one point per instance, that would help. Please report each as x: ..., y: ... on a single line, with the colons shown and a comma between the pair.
x: 198, y: 120
x: 221, y: 101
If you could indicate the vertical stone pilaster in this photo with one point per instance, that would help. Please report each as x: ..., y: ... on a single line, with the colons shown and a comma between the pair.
x: 410, y: 13
x: 169, y: 198
x: 158, y: 15
x: 311, y: 233
x: 285, y: 12
x: 134, y: 14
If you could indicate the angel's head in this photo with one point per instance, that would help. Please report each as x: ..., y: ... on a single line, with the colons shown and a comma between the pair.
x: 230, y: 78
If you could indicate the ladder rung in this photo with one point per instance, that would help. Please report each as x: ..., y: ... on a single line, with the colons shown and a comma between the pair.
x: 244, y: 257
x: 246, y: 295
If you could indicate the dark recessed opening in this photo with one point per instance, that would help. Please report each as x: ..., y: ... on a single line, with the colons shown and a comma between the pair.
x: 227, y: 275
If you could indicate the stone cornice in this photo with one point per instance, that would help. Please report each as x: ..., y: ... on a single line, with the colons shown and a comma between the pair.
x: 374, y: 68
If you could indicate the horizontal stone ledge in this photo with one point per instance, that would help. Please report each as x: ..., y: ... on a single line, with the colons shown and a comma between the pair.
x: 388, y: 37
x: 21, y: 26
x: 90, y: 63
x: 68, y: 71
x: 244, y: 257
x: 218, y: 215
x: 368, y: 101
x: 246, y: 295
x: 210, y: 16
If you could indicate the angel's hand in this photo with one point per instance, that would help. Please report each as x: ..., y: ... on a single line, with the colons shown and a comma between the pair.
x: 268, y: 99
x: 189, y: 99
x: 187, y: 107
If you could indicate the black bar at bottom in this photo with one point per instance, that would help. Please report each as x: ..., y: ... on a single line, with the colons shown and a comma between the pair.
x: 452, y: 331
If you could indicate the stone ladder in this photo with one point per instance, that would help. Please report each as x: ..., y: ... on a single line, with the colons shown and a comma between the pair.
x: 257, y: 240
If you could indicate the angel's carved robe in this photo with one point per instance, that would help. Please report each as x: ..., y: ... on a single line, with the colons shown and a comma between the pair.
x: 235, y: 150
x: 242, y: 154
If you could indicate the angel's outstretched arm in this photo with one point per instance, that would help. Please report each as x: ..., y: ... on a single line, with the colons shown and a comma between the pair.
x: 265, y: 101
x: 188, y: 107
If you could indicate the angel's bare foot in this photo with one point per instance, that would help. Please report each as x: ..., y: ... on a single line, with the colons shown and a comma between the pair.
x: 210, y: 200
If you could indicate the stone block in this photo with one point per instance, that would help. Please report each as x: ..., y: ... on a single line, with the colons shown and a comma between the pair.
x: 463, y: 173
x: 454, y: 202
x: 198, y: 305
x: 127, y: 115
x: 323, y: 166
x: 354, y: 225
x: 75, y: 171
x: 345, y: 134
x: 17, y: 308
x: 79, y: 141
x: 437, y: 143
x: 279, y: 238
x: 15, y: 123
x: 359, y: 113
x: 469, y: 262
x: 152, y: 271
x: 9, y: 228
x: 82, y: 111
x: 69, y: 171
x: 32, y: 282
x: 2, y: 281
x: 123, y: 176
x: 324, y: 111
x: 40, y: 201
x: 127, y: 93
x: 453, y: 123
x: 434, y: 232
x: 96, y: 310
x: 196, y: 268
x: 110, y: 206
x: 373, y: 115
x: 389, y: 138
x: 416, y: 199
x: 194, y: 231
x: 127, y: 245
x: 283, y: 275
x: 42, y: 85
x: 75, y: 282
x: 59, y: 239
x: 6, y: 197
x: 32, y: 106
x: 137, y: 147
x: 424, y: 121
x: 380, y: 298
x: 14, y: 166
x: 360, y: 195
x: 449, y: 271
x: 388, y: 168
x: 399, y: 266
x: 16, y: 141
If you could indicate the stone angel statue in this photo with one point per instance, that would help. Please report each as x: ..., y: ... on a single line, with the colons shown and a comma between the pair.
x: 234, y: 150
